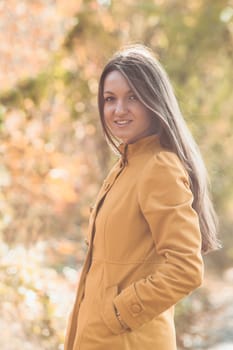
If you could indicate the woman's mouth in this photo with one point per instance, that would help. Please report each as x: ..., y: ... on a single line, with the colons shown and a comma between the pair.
x: 122, y: 122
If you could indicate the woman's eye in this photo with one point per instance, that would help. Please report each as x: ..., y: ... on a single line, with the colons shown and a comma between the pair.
x: 108, y: 99
x: 132, y: 97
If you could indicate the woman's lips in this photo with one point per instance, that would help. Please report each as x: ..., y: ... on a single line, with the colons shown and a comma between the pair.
x: 122, y: 123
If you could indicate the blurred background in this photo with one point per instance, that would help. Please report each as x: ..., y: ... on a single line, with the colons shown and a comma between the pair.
x: 53, y: 156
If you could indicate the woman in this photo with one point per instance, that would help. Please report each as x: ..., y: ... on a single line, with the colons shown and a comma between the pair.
x: 151, y: 219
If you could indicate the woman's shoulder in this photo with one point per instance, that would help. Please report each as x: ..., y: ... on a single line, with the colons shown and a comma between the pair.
x: 165, y: 175
x: 164, y: 163
x: 165, y: 158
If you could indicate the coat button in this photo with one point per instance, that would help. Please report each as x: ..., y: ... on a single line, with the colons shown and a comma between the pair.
x: 86, y: 241
x: 136, y: 308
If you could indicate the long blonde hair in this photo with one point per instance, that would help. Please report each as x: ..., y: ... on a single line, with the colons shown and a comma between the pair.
x: 149, y: 81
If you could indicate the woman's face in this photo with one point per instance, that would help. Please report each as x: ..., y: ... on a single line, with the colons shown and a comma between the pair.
x: 126, y: 117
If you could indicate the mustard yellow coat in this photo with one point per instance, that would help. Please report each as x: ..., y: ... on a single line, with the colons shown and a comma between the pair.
x: 143, y: 256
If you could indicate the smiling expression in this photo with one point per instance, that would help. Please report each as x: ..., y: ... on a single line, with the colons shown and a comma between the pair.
x: 126, y: 117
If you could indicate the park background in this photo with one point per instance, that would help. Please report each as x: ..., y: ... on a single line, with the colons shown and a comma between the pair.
x: 53, y: 156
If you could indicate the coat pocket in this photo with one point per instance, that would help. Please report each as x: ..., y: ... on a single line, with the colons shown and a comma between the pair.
x: 108, y: 312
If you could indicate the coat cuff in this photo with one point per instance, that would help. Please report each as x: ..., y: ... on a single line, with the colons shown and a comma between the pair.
x: 131, y: 308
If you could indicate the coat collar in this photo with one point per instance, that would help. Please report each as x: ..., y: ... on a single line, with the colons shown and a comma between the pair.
x: 129, y: 150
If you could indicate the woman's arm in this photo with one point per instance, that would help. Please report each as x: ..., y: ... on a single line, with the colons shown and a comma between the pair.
x: 166, y: 203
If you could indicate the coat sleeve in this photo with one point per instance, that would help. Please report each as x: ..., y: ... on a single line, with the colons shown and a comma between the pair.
x: 165, y: 200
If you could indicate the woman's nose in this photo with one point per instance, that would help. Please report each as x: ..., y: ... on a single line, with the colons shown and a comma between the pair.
x: 121, y: 108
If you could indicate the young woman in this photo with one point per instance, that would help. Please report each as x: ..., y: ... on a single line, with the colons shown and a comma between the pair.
x: 152, y: 218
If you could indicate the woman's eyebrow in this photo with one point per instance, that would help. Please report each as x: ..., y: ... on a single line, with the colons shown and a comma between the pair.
x: 108, y: 92
x: 112, y: 93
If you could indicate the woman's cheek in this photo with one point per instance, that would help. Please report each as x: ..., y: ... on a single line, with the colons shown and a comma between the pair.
x: 108, y: 110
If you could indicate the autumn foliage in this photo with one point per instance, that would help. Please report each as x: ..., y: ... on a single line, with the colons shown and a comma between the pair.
x: 52, y: 153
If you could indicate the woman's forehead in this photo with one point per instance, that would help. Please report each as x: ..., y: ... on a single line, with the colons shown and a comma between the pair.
x: 115, y: 81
